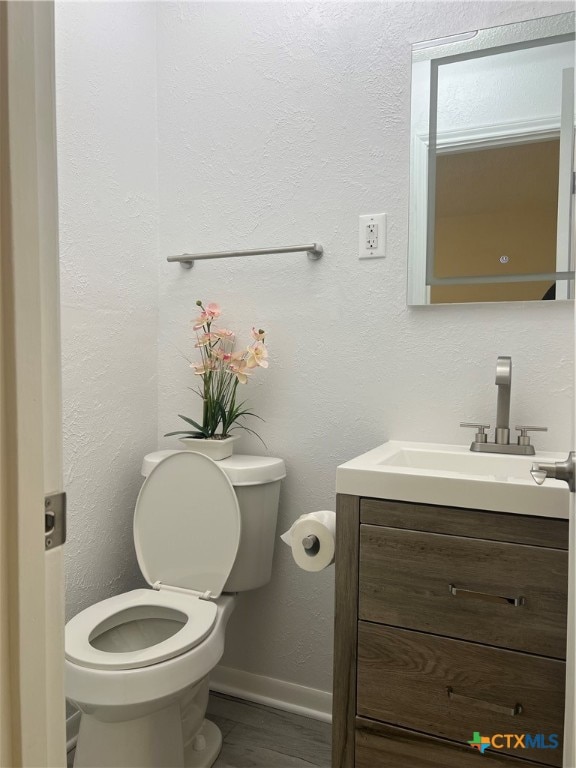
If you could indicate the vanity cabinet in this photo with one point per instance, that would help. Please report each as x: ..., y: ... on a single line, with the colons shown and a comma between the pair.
x: 448, y: 622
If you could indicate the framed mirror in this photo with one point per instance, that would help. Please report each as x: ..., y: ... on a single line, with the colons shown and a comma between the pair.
x: 491, y: 172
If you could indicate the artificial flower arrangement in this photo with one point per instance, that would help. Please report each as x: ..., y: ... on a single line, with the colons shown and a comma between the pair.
x: 221, y: 370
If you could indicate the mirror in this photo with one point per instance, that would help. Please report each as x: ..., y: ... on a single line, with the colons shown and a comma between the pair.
x: 491, y: 173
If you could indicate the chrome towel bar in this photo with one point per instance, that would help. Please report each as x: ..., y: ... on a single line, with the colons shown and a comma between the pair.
x: 187, y: 260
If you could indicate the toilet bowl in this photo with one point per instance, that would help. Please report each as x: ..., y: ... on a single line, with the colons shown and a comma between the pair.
x: 138, y: 664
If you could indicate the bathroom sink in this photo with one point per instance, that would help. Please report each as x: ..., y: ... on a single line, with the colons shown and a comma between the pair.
x: 452, y: 475
x: 459, y: 462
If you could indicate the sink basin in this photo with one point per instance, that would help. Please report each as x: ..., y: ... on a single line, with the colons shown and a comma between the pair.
x: 451, y: 475
x: 449, y: 460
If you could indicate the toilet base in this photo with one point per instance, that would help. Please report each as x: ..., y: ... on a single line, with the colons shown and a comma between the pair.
x: 175, y: 736
x: 135, y: 745
x: 153, y: 741
x: 204, y: 748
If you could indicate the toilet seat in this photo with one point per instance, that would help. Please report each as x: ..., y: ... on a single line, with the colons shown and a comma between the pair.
x: 186, y: 534
x: 198, y: 617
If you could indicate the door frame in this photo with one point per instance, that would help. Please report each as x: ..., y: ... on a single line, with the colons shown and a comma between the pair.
x: 32, y: 426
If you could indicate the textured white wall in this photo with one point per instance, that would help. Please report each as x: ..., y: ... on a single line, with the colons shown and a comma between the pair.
x: 106, y: 100
x: 278, y: 123
x: 281, y: 123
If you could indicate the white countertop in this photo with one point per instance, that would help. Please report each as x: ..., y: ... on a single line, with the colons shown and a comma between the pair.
x: 452, y: 475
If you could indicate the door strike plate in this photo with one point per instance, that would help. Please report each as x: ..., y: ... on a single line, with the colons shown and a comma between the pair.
x: 54, y: 520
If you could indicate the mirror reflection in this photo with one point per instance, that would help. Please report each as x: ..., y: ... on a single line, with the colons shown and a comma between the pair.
x: 491, y: 171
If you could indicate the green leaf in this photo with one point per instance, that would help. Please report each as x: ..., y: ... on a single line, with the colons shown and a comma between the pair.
x: 190, y: 421
x: 187, y: 432
x: 223, y: 416
x: 252, y: 432
x: 194, y: 424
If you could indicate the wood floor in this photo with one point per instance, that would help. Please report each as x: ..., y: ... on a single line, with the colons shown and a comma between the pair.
x: 260, y: 737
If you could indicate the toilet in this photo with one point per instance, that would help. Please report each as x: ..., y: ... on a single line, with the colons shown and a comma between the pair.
x: 138, y: 664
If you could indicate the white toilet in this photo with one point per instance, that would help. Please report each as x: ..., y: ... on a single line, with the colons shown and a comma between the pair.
x: 137, y: 664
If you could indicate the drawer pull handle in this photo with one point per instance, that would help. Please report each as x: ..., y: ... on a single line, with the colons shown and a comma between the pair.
x: 471, y: 595
x: 500, y: 708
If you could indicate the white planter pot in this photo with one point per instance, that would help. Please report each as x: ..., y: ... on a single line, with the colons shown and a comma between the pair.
x: 215, y: 449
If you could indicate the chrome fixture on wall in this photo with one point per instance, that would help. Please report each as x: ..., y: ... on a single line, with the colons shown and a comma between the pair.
x: 186, y: 260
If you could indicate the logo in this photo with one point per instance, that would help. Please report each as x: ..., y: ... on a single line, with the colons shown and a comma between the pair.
x: 481, y: 743
x: 513, y: 741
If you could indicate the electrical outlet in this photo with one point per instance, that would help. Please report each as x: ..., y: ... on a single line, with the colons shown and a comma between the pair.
x: 372, y: 236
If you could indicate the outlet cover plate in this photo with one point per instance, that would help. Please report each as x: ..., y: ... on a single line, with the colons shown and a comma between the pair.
x: 372, y: 236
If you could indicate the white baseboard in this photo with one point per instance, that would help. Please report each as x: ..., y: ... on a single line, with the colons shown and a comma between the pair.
x: 279, y: 694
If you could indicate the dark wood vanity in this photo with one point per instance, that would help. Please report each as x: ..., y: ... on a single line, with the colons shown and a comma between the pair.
x: 449, y: 622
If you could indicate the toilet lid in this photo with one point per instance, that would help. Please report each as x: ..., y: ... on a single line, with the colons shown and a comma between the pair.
x: 187, y: 524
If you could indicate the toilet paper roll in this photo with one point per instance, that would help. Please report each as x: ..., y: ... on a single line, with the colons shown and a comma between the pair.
x: 318, y: 531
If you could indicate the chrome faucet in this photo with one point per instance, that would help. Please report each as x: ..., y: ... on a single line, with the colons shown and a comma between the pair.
x: 504, y: 384
x: 502, y: 442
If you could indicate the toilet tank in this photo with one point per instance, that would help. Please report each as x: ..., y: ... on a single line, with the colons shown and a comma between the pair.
x: 256, y: 481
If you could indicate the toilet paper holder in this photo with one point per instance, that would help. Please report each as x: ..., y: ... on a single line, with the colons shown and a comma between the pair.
x: 311, y: 544
x: 311, y: 539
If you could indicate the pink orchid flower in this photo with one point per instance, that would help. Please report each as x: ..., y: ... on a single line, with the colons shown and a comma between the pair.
x: 221, y: 355
x: 209, y: 313
x: 239, y: 370
x: 213, y: 310
x: 201, y: 321
x: 224, y: 334
x: 200, y: 370
x: 258, y: 335
x: 257, y: 355
x: 205, y: 339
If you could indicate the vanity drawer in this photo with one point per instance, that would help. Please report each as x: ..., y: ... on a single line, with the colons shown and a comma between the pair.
x: 450, y: 688
x: 386, y: 746
x: 472, y: 523
x: 507, y: 595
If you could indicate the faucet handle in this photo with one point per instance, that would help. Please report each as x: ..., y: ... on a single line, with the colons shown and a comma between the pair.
x: 480, y: 436
x: 524, y: 438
